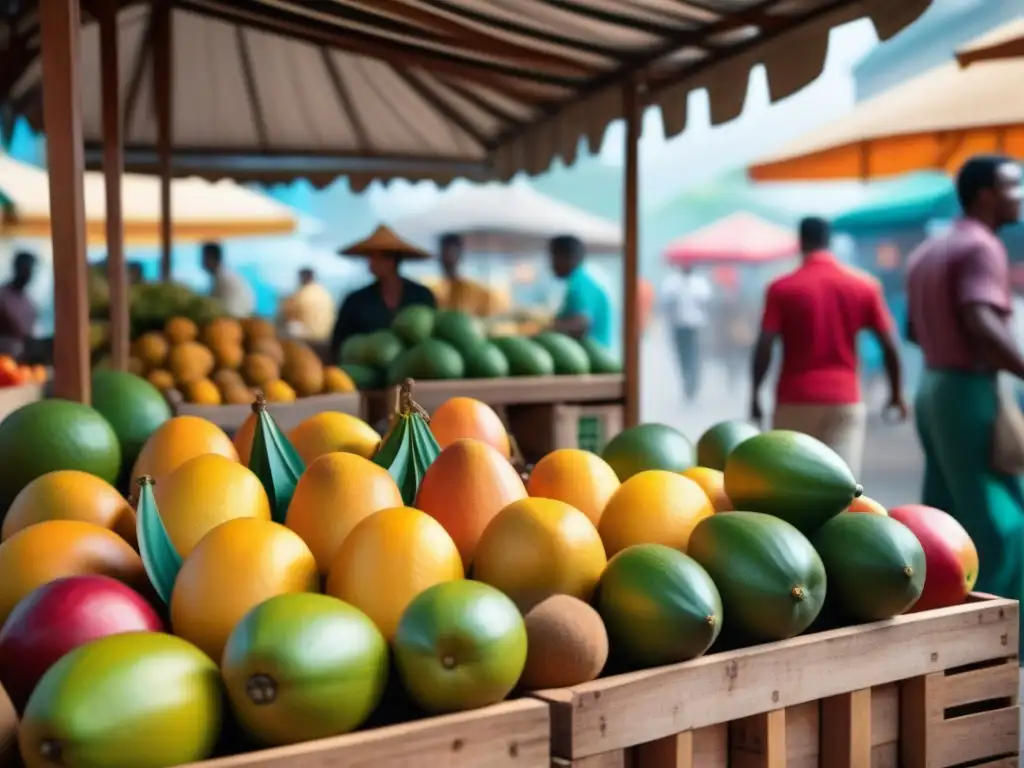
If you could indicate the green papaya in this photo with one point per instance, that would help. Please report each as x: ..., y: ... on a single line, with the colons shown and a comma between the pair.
x: 363, y: 376
x: 460, y: 329
x: 601, y: 360
x: 409, y: 447
x: 414, y: 324
x: 159, y: 557
x: 525, y: 356
x: 486, y: 361
x: 790, y: 475
x: 771, y: 579
x: 274, y: 461
x: 875, y: 565
x: 353, y: 350
x: 717, y: 442
x: 569, y: 357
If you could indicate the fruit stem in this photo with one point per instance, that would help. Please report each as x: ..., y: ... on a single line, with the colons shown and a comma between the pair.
x: 51, y: 752
x: 448, y: 662
x: 797, y: 593
x: 908, y: 571
x: 261, y: 689
x: 145, y: 480
x: 858, y: 491
x: 711, y: 620
x: 260, y: 403
x: 406, y: 405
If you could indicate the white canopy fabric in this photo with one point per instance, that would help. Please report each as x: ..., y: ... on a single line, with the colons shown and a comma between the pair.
x: 509, y: 215
x: 201, y: 210
x: 1004, y: 42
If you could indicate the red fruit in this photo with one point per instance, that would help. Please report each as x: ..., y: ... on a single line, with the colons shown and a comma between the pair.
x: 60, y: 616
x: 950, y: 556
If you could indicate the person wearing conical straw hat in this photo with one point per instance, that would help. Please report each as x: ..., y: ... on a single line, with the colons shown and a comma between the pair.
x: 374, y: 307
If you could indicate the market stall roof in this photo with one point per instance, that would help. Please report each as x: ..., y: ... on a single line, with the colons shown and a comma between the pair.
x: 508, y: 217
x: 279, y: 89
x: 909, y: 202
x: 1006, y: 42
x: 931, y: 122
x: 202, y: 210
x: 740, y: 238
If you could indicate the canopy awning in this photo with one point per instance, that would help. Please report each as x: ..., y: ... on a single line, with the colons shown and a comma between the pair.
x: 513, y: 217
x: 1006, y: 42
x: 932, y: 122
x: 901, y: 204
x: 272, y: 90
x: 741, y: 238
x: 202, y: 210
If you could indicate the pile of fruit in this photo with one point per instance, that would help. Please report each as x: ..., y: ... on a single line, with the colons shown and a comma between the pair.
x: 13, y: 374
x: 222, y: 361
x: 332, y: 579
x: 447, y: 344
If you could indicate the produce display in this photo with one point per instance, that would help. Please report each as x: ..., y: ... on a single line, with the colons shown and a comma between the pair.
x: 281, y: 588
x: 223, y: 360
x: 447, y: 344
x: 13, y: 374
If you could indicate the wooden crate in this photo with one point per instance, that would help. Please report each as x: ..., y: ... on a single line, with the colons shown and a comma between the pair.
x: 928, y: 690
x: 12, y: 398
x: 287, y: 415
x: 542, y: 428
x: 520, y: 390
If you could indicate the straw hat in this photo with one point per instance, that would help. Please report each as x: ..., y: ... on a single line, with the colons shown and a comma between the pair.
x: 384, y: 240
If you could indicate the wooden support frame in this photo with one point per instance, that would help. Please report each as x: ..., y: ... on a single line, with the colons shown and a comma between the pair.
x: 633, y: 113
x: 163, y: 87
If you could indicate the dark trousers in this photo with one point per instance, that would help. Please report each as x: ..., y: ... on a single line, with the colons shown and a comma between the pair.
x: 688, y: 351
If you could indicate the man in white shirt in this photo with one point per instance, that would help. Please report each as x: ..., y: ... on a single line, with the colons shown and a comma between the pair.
x: 685, y: 296
x: 309, y: 312
x: 234, y: 293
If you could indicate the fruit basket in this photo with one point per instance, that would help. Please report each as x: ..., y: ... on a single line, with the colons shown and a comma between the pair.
x: 935, y: 688
x: 287, y: 415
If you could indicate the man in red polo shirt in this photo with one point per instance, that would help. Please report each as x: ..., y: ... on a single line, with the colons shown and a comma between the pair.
x: 817, y: 312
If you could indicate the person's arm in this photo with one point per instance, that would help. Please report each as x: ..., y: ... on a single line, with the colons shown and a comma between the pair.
x: 573, y: 318
x: 771, y: 327
x: 879, y: 321
x: 982, y: 303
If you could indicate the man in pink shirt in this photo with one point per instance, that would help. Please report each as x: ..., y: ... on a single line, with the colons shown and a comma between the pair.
x: 959, y: 305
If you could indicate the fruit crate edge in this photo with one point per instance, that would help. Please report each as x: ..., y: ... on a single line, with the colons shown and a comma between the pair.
x: 927, y: 690
x: 287, y: 415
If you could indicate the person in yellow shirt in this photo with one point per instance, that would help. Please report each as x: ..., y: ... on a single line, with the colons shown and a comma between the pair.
x: 309, y: 312
x: 455, y: 291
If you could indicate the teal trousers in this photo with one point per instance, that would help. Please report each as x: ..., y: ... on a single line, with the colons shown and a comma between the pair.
x: 955, y: 413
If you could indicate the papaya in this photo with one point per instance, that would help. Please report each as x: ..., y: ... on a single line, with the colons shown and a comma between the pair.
x: 525, y: 356
x: 460, y: 329
x: 274, y: 460
x: 771, y: 579
x: 569, y: 357
x: 430, y: 359
x: 409, y: 447
x: 601, y: 360
x: 414, y: 324
x: 789, y: 475
x: 875, y: 566
x: 715, y: 445
x: 159, y: 557
x: 485, y: 361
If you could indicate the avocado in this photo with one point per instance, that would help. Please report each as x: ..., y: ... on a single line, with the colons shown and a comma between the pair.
x: 715, y: 445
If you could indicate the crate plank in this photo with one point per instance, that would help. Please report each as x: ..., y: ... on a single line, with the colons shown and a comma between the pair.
x: 588, y: 719
x: 975, y: 737
x: 759, y: 741
x: 846, y: 729
x: 997, y: 681
x: 287, y: 415
x: 520, y: 390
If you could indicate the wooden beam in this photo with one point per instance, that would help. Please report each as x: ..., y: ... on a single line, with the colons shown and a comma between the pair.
x: 163, y: 87
x: 62, y: 106
x: 633, y: 115
x: 113, y: 163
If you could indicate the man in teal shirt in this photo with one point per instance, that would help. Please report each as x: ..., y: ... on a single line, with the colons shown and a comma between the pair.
x: 586, y: 310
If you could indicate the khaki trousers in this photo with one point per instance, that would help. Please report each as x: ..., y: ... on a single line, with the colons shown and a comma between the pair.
x: 840, y: 427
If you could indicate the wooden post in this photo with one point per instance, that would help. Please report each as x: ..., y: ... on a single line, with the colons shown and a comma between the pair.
x: 62, y: 113
x: 163, y: 84
x: 113, y: 165
x: 633, y: 114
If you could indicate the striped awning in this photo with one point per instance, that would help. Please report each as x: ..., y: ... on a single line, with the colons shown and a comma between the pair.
x: 278, y: 89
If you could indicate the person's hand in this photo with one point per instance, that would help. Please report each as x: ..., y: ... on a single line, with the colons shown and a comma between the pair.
x: 896, y: 410
x: 756, y: 414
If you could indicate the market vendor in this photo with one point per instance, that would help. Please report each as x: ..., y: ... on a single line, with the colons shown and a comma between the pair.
x: 455, y: 291
x: 17, y: 312
x: 374, y: 307
x: 586, y: 309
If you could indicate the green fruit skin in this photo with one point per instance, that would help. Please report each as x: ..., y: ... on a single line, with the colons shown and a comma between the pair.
x: 461, y: 330
x: 525, y: 356
x: 353, y: 350
x: 136, y: 700
x: 431, y: 359
x: 659, y: 605
x: 719, y: 441
x: 601, y: 360
x: 486, y: 361
x: 648, y: 446
x: 460, y: 645
x: 54, y: 434
x: 771, y: 579
x: 380, y: 349
x: 407, y: 452
x: 133, y: 406
x: 362, y: 376
x: 789, y: 475
x: 569, y: 357
x: 414, y: 324
x: 327, y: 661
x: 875, y: 565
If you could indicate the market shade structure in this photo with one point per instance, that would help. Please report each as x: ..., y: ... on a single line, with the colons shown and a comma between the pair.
x: 909, y: 202
x: 1006, y: 42
x: 508, y: 218
x: 932, y: 122
x: 741, y: 238
x: 279, y: 89
x: 203, y: 210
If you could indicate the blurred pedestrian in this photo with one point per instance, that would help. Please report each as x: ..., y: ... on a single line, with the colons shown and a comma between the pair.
x: 816, y: 311
x: 685, y: 295
x: 959, y: 306
x: 455, y: 291
x: 586, y: 309
x: 233, y: 291
x: 309, y: 312
x: 17, y: 312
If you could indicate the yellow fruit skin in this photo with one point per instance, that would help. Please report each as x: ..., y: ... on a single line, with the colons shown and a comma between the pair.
x: 334, y: 431
x: 161, y: 379
x: 178, y: 440
x: 234, y: 568
x: 334, y: 494
x: 190, y: 362
x: 653, y: 507
x: 69, y: 494
x: 302, y: 368
x: 151, y: 348
x: 535, y: 548
x: 579, y: 478
x: 713, y: 483
x: 227, y: 355
x: 203, y: 392
x: 337, y: 381
x: 388, y: 559
x: 278, y: 392
x: 259, y: 369
x: 179, y: 330
x: 223, y: 330
x: 236, y: 394
x: 203, y: 493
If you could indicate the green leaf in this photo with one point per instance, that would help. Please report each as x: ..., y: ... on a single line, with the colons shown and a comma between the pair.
x: 409, y: 448
x: 274, y: 461
x: 160, y: 558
